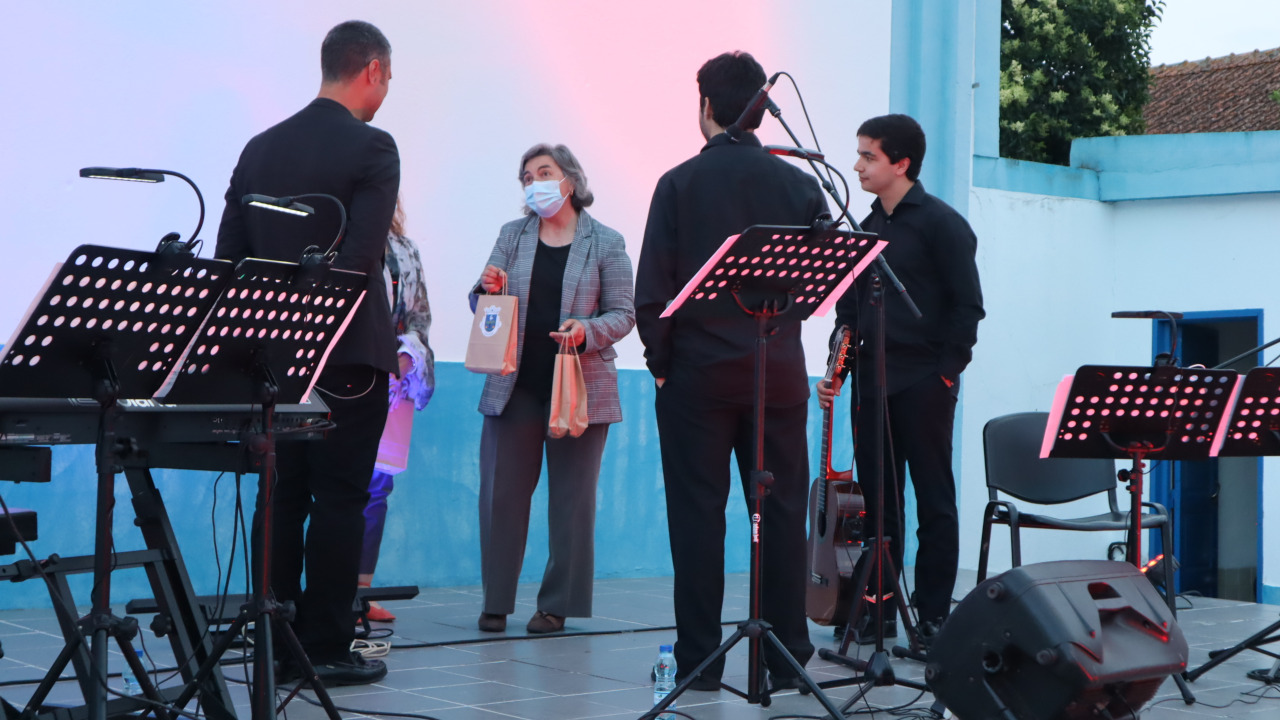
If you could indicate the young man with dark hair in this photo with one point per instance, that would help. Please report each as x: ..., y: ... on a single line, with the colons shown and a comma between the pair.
x: 931, y: 249
x: 328, y: 147
x: 703, y: 369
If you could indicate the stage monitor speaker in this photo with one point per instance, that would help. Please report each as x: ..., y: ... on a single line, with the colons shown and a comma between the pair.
x: 1056, y: 640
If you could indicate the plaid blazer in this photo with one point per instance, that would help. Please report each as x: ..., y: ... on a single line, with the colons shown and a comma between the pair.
x: 597, y: 290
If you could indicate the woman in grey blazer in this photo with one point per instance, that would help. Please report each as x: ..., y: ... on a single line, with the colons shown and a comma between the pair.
x: 572, y: 277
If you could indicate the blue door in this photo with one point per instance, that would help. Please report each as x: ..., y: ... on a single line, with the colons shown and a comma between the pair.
x: 1194, y: 491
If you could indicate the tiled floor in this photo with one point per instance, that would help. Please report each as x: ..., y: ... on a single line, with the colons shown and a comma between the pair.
x: 442, y: 667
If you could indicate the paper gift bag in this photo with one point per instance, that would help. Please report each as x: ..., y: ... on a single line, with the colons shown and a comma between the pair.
x: 393, y: 450
x: 568, y: 395
x: 492, y: 347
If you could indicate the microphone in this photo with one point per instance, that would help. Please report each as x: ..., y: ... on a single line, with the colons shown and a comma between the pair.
x: 794, y: 152
x: 753, y: 108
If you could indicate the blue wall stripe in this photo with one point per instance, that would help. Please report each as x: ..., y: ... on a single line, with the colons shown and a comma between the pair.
x: 432, y: 526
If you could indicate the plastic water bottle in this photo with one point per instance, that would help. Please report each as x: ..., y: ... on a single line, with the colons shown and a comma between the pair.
x: 131, y: 686
x: 664, y: 677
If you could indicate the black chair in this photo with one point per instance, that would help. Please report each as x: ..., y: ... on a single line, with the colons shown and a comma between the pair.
x: 1011, y: 444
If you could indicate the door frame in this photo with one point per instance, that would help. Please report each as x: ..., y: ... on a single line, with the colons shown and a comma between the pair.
x: 1158, y: 482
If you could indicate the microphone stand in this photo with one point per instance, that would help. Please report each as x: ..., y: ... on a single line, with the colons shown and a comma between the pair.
x: 831, y: 190
x: 876, y: 671
x: 1228, y: 363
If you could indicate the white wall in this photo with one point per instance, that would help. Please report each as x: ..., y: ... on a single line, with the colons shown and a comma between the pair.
x: 182, y: 86
x: 1053, y: 269
x: 1202, y: 254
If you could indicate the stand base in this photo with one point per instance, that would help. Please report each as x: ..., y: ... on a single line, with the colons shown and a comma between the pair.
x: 876, y: 672
x: 1254, y: 642
x: 1270, y: 676
x: 756, y: 630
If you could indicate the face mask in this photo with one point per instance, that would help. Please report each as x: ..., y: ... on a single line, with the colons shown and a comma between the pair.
x: 543, y: 197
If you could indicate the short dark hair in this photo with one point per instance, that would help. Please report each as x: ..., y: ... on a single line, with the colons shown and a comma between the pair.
x: 350, y: 46
x: 900, y: 136
x: 729, y: 81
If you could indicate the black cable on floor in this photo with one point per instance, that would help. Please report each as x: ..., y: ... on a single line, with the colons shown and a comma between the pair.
x: 579, y: 633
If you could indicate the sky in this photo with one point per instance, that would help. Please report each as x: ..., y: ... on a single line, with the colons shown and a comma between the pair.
x: 1196, y: 29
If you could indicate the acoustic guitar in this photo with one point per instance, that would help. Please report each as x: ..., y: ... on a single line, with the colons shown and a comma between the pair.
x: 836, y: 511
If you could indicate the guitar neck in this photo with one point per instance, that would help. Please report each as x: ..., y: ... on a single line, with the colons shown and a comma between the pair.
x: 826, y: 441
x: 825, y: 459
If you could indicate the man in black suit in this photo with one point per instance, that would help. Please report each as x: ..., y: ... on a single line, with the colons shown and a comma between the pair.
x: 703, y: 369
x: 328, y: 147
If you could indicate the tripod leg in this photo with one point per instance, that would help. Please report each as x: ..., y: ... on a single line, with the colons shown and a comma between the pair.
x: 211, y: 662
x: 859, y: 608
x: 51, y: 677
x: 263, y: 693
x: 1187, y: 696
x: 1217, y: 657
x: 308, y: 671
x: 688, y: 680
x: 802, y: 675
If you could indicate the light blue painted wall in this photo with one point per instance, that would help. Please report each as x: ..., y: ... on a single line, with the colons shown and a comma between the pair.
x: 432, y: 526
x: 931, y: 79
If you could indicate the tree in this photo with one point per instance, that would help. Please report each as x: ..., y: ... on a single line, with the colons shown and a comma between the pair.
x: 1072, y: 68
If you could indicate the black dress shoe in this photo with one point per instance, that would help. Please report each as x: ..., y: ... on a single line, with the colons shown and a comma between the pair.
x: 929, y: 630
x: 355, y: 669
x: 866, y: 635
x: 778, y: 683
x: 287, y: 672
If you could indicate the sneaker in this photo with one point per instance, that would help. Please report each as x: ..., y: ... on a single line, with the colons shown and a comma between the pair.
x: 492, y: 622
x: 544, y: 622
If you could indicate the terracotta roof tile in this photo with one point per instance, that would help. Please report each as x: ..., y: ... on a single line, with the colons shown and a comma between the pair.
x: 1226, y: 94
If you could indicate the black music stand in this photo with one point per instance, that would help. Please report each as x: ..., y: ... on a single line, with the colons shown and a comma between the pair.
x: 109, y: 324
x: 769, y: 272
x: 265, y: 342
x: 1135, y: 413
x: 1251, y: 428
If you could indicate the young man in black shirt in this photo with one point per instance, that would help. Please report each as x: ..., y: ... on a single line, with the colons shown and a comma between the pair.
x: 931, y: 249
x: 703, y: 369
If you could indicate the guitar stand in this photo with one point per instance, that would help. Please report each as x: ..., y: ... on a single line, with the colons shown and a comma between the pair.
x: 876, y: 670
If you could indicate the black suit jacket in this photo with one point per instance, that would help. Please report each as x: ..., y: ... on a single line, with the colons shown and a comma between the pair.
x: 722, y: 191
x: 325, y: 149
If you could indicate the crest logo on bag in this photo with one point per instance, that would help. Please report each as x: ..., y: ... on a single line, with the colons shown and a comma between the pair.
x: 490, y: 323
